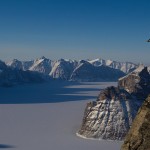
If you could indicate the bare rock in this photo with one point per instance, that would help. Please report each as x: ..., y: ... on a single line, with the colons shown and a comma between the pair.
x: 110, y: 117
x: 138, y: 137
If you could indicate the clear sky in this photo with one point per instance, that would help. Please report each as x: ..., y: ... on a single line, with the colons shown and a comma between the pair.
x: 76, y: 29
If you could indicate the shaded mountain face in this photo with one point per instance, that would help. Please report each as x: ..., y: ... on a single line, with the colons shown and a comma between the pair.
x: 2, y: 66
x: 10, y: 76
x: 111, y: 115
x: 138, y: 137
x: 88, y: 72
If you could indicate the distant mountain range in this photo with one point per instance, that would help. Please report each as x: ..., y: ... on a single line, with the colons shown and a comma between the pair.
x: 73, y: 70
x: 10, y: 76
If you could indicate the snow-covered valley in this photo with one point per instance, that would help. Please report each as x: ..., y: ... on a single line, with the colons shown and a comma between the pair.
x: 48, y: 115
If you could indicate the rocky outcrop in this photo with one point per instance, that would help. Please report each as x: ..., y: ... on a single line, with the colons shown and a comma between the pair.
x: 137, y: 82
x: 111, y: 116
x: 138, y: 137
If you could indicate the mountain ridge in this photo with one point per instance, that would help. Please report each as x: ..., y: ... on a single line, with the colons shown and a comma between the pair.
x: 67, y: 69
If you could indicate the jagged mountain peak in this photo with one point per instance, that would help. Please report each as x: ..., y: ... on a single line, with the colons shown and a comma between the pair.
x: 43, y: 57
x: 137, y: 82
x: 126, y: 67
x: 83, y: 62
x: 139, y: 69
x: 42, y: 65
x: 62, y: 69
x: 135, y: 72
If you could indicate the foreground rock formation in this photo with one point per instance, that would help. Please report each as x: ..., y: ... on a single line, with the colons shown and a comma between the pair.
x: 138, y: 137
x: 111, y: 116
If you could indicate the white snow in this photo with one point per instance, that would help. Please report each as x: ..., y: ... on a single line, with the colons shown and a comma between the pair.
x: 126, y: 67
x: 108, y: 62
x: 139, y: 69
x: 38, y: 124
x: 134, y: 72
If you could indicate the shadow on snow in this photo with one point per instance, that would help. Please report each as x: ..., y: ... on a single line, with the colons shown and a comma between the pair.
x: 6, y: 146
x: 55, y: 91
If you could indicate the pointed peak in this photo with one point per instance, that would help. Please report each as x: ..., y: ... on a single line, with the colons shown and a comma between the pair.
x: 139, y: 69
x: 43, y: 57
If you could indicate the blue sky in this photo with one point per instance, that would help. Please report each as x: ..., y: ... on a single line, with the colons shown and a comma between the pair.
x: 76, y: 29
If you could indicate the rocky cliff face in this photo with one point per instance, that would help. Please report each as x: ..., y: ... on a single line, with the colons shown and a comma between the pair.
x: 138, y: 137
x: 137, y: 82
x: 111, y: 116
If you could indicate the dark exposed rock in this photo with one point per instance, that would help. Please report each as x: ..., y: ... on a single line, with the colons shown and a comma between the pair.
x: 138, y: 137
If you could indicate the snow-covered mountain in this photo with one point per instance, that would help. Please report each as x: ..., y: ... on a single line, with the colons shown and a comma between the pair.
x: 2, y: 65
x: 111, y: 115
x: 62, y: 69
x: 85, y: 71
x: 21, y: 65
x: 42, y: 65
x: 138, y: 82
x: 15, y: 75
x: 126, y: 67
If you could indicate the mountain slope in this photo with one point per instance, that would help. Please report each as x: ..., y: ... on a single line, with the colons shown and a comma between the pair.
x: 91, y: 70
x: 10, y: 76
x: 138, y: 137
x: 62, y: 69
x: 88, y: 72
x: 21, y: 65
x: 137, y: 82
x: 126, y: 67
x: 42, y: 65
